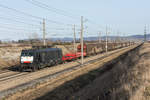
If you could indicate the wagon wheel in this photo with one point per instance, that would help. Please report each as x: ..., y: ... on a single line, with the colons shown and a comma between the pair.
x: 39, y: 66
x: 33, y: 69
x: 95, y: 51
x: 20, y: 69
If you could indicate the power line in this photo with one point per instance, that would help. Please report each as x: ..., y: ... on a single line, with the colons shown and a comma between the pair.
x: 12, y: 31
x: 49, y: 8
x: 38, y: 26
x: 18, y: 21
x: 145, y: 32
x: 61, y: 29
x: 30, y: 15
x: 92, y: 22
x: 14, y: 28
x: 11, y: 24
x: 21, y: 18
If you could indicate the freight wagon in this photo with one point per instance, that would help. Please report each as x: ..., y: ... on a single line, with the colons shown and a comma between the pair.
x: 95, y: 48
x: 90, y: 49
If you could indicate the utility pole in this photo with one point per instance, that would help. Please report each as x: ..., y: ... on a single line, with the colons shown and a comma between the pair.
x: 74, y: 39
x: 145, y: 34
x: 44, y: 42
x: 81, y: 40
x: 99, y: 37
x: 106, y: 39
x: 124, y: 37
x: 118, y: 36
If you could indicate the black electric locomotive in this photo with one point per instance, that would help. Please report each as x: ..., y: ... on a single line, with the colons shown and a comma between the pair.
x: 39, y: 58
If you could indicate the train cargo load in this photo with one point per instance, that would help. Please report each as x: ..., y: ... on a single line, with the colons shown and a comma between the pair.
x: 91, y: 48
x: 69, y: 57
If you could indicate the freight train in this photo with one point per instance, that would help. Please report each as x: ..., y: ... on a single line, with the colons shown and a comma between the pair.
x: 38, y: 58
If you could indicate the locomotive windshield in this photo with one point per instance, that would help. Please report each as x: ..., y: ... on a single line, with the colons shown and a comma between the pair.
x: 27, y: 54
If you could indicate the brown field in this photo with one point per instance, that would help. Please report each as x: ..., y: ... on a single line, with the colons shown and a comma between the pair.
x: 123, y: 77
x: 9, y: 54
x: 127, y: 79
x: 69, y: 83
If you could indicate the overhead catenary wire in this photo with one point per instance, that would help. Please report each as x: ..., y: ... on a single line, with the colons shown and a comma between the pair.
x: 62, y: 29
x: 92, y: 27
x: 51, y: 9
x: 39, y: 19
x: 23, y: 18
x: 37, y: 26
x: 15, y: 28
x: 17, y: 25
x: 4, y: 18
x: 94, y: 23
x: 15, y: 31
x: 12, y: 32
x: 33, y: 25
x: 7, y: 26
x: 30, y: 15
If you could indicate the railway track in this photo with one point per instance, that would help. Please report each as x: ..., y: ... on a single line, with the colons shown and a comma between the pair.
x: 9, y: 73
x: 12, y: 75
x: 4, y: 71
x: 49, y: 75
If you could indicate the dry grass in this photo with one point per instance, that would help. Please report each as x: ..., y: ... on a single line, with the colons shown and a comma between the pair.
x: 131, y: 77
x: 143, y: 92
x: 67, y: 83
x: 127, y: 80
x: 9, y: 55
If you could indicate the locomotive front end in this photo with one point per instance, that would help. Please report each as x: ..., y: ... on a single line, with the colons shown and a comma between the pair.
x: 26, y: 59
